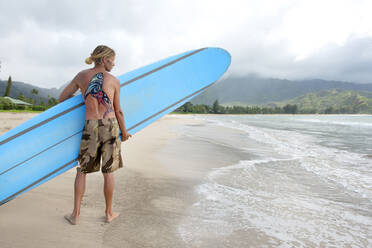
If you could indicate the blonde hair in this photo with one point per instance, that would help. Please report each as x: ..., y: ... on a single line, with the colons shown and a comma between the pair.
x: 98, y: 54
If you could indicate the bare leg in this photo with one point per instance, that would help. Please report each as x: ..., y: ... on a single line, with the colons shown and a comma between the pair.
x: 108, y: 190
x: 78, y: 196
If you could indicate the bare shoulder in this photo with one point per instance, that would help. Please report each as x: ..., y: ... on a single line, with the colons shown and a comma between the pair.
x: 108, y: 75
x: 78, y: 77
x: 112, y: 78
x: 83, y: 73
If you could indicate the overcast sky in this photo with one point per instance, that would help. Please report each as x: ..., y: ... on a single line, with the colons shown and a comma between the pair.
x: 46, y: 42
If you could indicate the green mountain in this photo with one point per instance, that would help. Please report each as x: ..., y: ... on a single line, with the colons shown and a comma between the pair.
x: 249, y: 90
x: 332, y: 101
x: 253, y: 90
x: 44, y: 94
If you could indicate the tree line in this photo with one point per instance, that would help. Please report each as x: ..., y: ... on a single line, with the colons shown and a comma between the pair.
x: 216, y: 108
x: 6, y: 104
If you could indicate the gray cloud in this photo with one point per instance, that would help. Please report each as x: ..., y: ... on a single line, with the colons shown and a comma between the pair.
x: 351, y: 61
x: 46, y: 42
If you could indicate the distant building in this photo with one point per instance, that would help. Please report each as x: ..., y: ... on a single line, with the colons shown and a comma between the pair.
x: 17, y: 102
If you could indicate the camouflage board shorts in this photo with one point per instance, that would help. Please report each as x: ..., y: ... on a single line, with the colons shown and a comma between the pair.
x: 100, y: 139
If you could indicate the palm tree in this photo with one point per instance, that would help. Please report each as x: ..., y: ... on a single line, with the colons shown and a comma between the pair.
x: 35, y: 92
x: 7, y: 91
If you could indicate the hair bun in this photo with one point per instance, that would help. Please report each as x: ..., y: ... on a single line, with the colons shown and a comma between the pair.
x: 89, y: 60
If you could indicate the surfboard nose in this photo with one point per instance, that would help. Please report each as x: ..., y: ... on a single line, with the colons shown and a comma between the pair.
x: 221, y: 59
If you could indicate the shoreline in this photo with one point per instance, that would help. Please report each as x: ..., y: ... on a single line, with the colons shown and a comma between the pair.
x: 20, y: 111
x: 180, y: 114
x: 272, y: 114
x: 174, y: 191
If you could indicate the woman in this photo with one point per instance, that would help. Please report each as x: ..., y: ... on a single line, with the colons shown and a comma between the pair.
x: 103, y: 118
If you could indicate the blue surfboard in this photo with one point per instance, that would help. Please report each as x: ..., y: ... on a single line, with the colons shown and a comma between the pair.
x: 48, y: 144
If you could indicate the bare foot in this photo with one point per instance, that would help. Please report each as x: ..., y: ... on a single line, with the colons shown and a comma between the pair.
x: 72, y: 219
x: 111, y: 217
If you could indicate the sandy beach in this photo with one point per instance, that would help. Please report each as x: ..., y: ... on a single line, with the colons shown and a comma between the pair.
x: 153, y: 192
x: 213, y: 181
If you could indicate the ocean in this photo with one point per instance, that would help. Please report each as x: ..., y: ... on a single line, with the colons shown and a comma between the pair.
x: 308, y: 182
